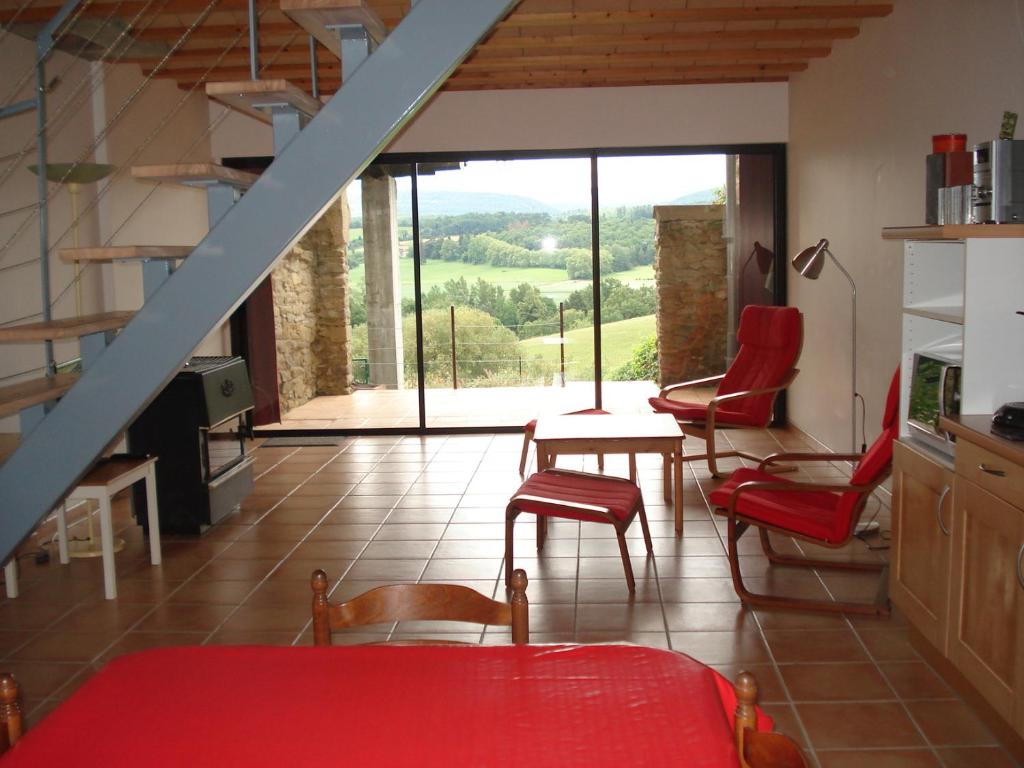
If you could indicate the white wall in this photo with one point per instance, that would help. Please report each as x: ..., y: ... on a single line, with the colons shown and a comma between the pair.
x: 861, y: 123
x: 94, y: 104
x: 599, y: 117
x: 69, y: 109
x: 572, y: 118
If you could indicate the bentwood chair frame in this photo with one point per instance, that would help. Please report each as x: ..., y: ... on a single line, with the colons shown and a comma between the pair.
x: 420, y: 602
x: 739, y: 523
x: 716, y: 414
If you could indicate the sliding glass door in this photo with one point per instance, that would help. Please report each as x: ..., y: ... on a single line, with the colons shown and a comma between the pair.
x: 505, y: 289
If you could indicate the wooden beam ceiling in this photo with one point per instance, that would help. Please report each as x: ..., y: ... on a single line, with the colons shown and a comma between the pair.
x: 541, y: 44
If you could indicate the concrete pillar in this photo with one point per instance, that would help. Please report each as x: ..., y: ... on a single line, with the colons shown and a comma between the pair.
x: 383, y: 281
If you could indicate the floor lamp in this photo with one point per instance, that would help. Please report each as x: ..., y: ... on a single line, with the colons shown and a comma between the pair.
x: 809, y: 263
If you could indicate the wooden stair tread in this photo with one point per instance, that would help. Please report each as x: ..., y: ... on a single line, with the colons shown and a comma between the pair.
x: 195, y: 173
x: 250, y: 97
x: 315, y: 16
x: 108, y: 254
x: 110, y: 469
x: 25, y: 394
x: 65, y: 328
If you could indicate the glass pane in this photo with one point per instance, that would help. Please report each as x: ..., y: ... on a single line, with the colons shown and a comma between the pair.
x: 662, y: 249
x: 505, y: 249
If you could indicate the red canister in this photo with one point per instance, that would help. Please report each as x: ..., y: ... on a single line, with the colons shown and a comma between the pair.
x: 949, y: 142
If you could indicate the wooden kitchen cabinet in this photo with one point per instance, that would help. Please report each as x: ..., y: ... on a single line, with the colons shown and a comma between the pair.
x: 986, y: 643
x: 957, y: 568
x: 920, y: 554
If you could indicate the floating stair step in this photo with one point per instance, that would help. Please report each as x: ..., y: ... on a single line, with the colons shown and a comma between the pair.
x: 195, y: 174
x: 316, y: 16
x: 114, y: 253
x: 65, y: 328
x: 25, y: 394
x: 255, y: 97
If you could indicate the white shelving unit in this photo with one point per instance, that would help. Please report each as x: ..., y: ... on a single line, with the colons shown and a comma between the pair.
x: 962, y: 287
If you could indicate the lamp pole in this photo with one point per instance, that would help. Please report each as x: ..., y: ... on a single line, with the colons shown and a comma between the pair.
x: 853, y: 336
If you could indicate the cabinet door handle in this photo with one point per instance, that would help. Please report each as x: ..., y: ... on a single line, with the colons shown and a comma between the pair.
x: 989, y: 470
x: 938, y: 509
x: 1020, y: 576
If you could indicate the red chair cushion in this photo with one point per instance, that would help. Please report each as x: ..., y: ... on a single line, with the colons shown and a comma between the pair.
x: 684, y: 411
x: 818, y: 514
x: 621, y: 499
x: 814, y: 514
x: 531, y: 425
x: 770, y: 339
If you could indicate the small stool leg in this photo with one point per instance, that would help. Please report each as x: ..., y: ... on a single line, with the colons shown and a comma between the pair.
x: 107, y: 544
x: 626, y: 565
x: 62, y: 534
x: 11, y: 577
x: 666, y: 475
x: 632, y: 467
x: 600, y: 461
x: 153, y: 516
x: 527, y: 437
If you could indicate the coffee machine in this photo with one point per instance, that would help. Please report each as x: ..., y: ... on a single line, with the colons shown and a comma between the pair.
x: 999, y: 182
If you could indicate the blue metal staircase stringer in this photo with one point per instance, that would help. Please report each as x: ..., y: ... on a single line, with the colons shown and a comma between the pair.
x: 380, y: 97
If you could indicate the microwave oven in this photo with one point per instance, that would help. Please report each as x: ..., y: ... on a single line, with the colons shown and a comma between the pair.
x: 934, y: 392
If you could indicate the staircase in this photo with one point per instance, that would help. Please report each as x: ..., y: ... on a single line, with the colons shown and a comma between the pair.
x: 318, y: 150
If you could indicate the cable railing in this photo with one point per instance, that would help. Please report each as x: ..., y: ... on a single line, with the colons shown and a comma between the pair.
x: 63, y: 116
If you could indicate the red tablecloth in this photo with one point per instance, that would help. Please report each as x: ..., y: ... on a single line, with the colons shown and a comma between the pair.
x: 529, y: 706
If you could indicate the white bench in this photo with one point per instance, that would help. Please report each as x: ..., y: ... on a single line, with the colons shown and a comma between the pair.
x: 107, y: 478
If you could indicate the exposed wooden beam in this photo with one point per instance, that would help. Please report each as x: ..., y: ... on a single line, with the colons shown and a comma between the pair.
x: 672, y: 15
x: 596, y: 83
x: 554, y: 77
x: 493, y: 63
x: 299, y: 56
x: 667, y: 38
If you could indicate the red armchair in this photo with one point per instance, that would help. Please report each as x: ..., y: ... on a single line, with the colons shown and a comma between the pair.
x: 823, y: 513
x: 770, y: 341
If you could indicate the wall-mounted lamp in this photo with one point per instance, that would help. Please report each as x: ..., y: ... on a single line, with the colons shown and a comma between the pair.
x: 809, y: 263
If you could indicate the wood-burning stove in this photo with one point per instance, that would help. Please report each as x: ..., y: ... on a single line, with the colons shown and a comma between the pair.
x: 196, y: 428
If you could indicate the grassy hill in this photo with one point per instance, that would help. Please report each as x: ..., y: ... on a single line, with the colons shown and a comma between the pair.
x: 617, y: 339
x: 552, y: 282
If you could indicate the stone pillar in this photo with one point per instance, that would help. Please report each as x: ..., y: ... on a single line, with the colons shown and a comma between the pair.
x: 690, y: 280
x: 385, y: 347
x: 311, y: 316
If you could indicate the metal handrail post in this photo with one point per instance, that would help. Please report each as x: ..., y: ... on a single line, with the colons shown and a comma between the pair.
x: 44, y: 44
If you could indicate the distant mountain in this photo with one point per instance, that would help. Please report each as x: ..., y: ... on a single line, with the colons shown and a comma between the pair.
x: 456, y: 203
x: 701, y: 197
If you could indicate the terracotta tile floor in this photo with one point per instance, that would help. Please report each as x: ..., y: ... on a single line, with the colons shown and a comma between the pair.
x: 383, y: 509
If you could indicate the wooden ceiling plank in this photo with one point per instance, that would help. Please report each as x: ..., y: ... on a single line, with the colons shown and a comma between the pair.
x: 742, y: 54
x: 596, y: 83
x: 559, y: 41
x: 847, y: 11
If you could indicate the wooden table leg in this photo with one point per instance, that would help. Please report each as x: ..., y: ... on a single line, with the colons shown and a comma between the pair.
x: 677, y: 456
x: 666, y: 475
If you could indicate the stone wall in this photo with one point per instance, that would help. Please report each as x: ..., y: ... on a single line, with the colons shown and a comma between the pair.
x: 690, y: 279
x: 311, y: 314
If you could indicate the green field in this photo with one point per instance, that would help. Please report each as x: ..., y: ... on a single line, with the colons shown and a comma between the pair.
x: 617, y: 340
x: 552, y: 282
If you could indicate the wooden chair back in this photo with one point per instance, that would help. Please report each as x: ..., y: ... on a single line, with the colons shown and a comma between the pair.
x: 419, y: 602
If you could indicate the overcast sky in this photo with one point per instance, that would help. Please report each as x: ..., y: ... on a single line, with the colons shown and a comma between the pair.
x: 566, y: 182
